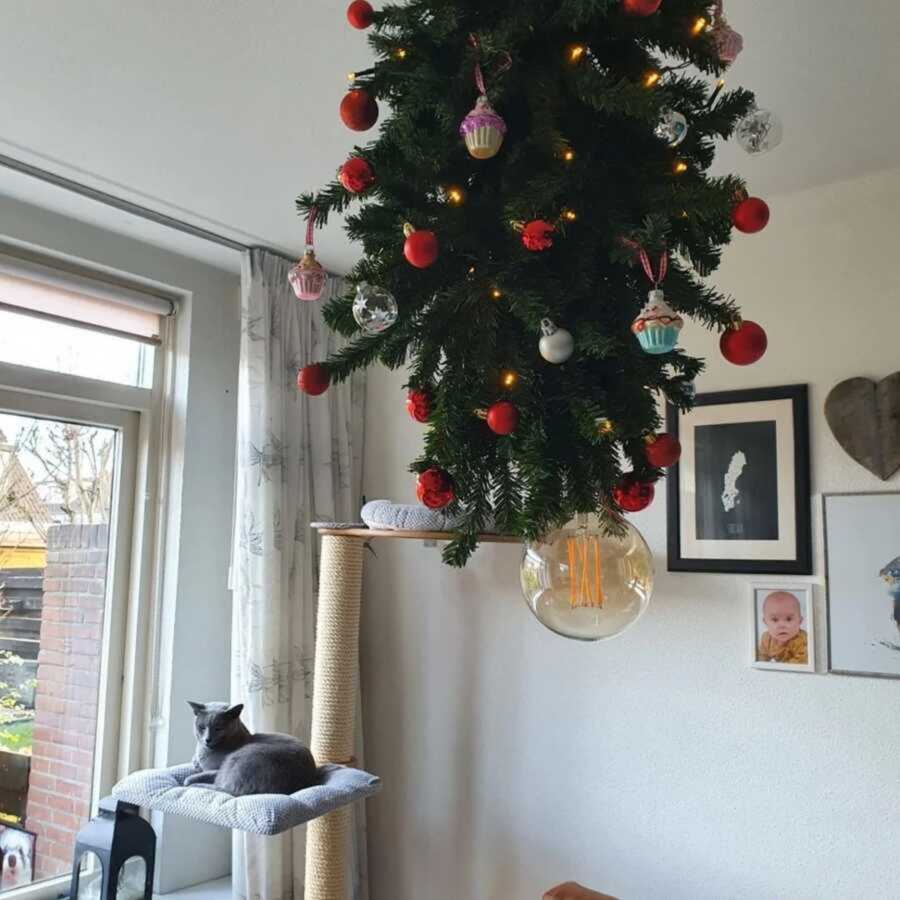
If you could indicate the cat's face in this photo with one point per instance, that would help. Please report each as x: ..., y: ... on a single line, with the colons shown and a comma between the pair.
x: 215, y: 723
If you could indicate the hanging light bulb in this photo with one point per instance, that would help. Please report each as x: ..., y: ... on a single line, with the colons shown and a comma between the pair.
x: 587, y: 583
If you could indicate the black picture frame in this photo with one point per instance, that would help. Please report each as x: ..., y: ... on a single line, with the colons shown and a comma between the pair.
x: 802, y: 562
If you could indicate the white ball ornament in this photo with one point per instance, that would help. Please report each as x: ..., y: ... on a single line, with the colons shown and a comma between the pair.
x: 557, y: 345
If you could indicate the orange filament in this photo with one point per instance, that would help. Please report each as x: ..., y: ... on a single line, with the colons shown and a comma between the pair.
x: 585, y: 580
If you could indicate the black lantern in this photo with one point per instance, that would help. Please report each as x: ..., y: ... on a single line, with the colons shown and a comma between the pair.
x: 116, y: 835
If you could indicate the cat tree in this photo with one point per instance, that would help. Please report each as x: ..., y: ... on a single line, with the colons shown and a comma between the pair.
x: 336, y: 685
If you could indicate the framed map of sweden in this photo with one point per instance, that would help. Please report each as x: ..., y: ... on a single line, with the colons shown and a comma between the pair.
x: 739, y: 500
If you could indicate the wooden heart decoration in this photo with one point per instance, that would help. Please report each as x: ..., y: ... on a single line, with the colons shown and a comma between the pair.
x: 864, y: 417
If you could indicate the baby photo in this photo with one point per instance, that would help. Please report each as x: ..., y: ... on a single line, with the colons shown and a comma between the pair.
x: 783, y: 636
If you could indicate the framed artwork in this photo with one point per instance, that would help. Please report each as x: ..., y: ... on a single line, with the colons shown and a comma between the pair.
x: 862, y: 560
x: 739, y: 499
x: 784, y: 627
x: 17, y: 849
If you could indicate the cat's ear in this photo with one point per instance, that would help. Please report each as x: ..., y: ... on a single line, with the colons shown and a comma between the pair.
x: 235, y: 711
x: 197, y: 707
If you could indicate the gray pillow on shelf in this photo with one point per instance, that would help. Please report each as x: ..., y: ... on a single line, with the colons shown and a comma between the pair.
x: 389, y: 516
x: 163, y: 790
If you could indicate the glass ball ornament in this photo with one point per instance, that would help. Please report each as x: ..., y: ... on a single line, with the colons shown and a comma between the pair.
x: 759, y: 131
x: 374, y: 309
x: 672, y: 127
x: 588, y: 584
x: 557, y: 345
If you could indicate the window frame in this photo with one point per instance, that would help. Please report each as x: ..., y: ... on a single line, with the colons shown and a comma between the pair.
x: 134, y: 589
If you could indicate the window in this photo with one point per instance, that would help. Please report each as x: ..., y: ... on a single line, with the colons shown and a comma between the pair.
x: 70, y: 350
x: 68, y: 482
x: 69, y: 324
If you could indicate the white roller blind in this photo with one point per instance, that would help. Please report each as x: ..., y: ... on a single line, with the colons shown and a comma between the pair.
x: 60, y: 296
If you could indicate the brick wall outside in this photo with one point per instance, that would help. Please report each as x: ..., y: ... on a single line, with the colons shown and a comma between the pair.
x: 65, y: 722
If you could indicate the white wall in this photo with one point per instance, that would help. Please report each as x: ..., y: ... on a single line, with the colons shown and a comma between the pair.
x: 659, y: 765
x: 197, y: 623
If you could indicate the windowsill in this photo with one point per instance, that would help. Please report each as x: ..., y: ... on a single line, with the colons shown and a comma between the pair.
x: 210, y: 890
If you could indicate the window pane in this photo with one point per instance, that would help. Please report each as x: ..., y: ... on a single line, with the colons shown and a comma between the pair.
x: 28, y: 341
x: 56, y: 483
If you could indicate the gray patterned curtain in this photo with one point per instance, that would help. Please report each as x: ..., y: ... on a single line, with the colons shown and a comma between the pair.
x: 299, y: 459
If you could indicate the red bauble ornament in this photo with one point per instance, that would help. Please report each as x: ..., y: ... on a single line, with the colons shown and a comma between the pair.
x: 434, y: 488
x: 313, y: 379
x: 356, y: 175
x: 503, y: 417
x: 359, y: 111
x: 632, y: 495
x: 359, y: 14
x: 662, y: 451
x: 418, y: 405
x: 641, y: 8
x: 750, y: 215
x: 538, y: 235
x: 745, y: 344
x: 421, y: 248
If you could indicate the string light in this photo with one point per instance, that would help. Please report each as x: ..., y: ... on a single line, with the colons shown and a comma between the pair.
x: 456, y: 196
x: 605, y: 427
x: 496, y: 293
x: 351, y: 76
x: 699, y: 26
x: 575, y: 53
x: 568, y: 154
x: 569, y: 215
x: 400, y: 53
x: 680, y: 167
x: 651, y: 79
x: 471, y: 270
x: 509, y: 379
x: 720, y: 85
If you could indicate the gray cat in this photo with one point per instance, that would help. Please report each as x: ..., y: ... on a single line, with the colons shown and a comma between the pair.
x: 229, y: 758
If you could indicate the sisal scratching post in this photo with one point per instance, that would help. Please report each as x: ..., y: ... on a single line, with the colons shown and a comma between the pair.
x: 334, y: 705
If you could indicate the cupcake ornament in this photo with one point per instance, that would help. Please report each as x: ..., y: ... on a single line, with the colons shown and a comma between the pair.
x: 483, y: 129
x: 657, y: 326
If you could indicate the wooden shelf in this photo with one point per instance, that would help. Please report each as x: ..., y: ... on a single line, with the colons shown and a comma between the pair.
x: 368, y: 533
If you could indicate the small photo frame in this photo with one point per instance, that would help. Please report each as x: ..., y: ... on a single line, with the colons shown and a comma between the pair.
x: 739, y: 499
x: 784, y: 627
x: 16, y: 857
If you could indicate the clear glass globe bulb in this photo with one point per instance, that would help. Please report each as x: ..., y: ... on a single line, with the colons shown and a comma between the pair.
x: 374, y: 309
x: 586, y: 584
x: 759, y: 131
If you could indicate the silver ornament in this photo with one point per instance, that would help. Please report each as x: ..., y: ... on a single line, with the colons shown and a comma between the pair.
x: 759, y: 131
x: 374, y: 309
x: 672, y: 127
x: 557, y: 345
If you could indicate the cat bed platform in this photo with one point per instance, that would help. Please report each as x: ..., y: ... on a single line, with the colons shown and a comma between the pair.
x: 164, y: 790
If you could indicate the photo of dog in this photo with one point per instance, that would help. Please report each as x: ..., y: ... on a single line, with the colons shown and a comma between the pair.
x: 17, y: 849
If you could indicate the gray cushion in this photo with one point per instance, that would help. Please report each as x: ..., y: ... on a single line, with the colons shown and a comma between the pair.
x: 390, y: 516
x: 163, y: 789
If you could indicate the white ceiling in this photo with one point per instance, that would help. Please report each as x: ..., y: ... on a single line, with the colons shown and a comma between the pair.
x: 220, y: 113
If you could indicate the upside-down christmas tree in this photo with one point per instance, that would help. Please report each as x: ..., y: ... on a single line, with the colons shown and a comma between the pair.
x: 538, y: 221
